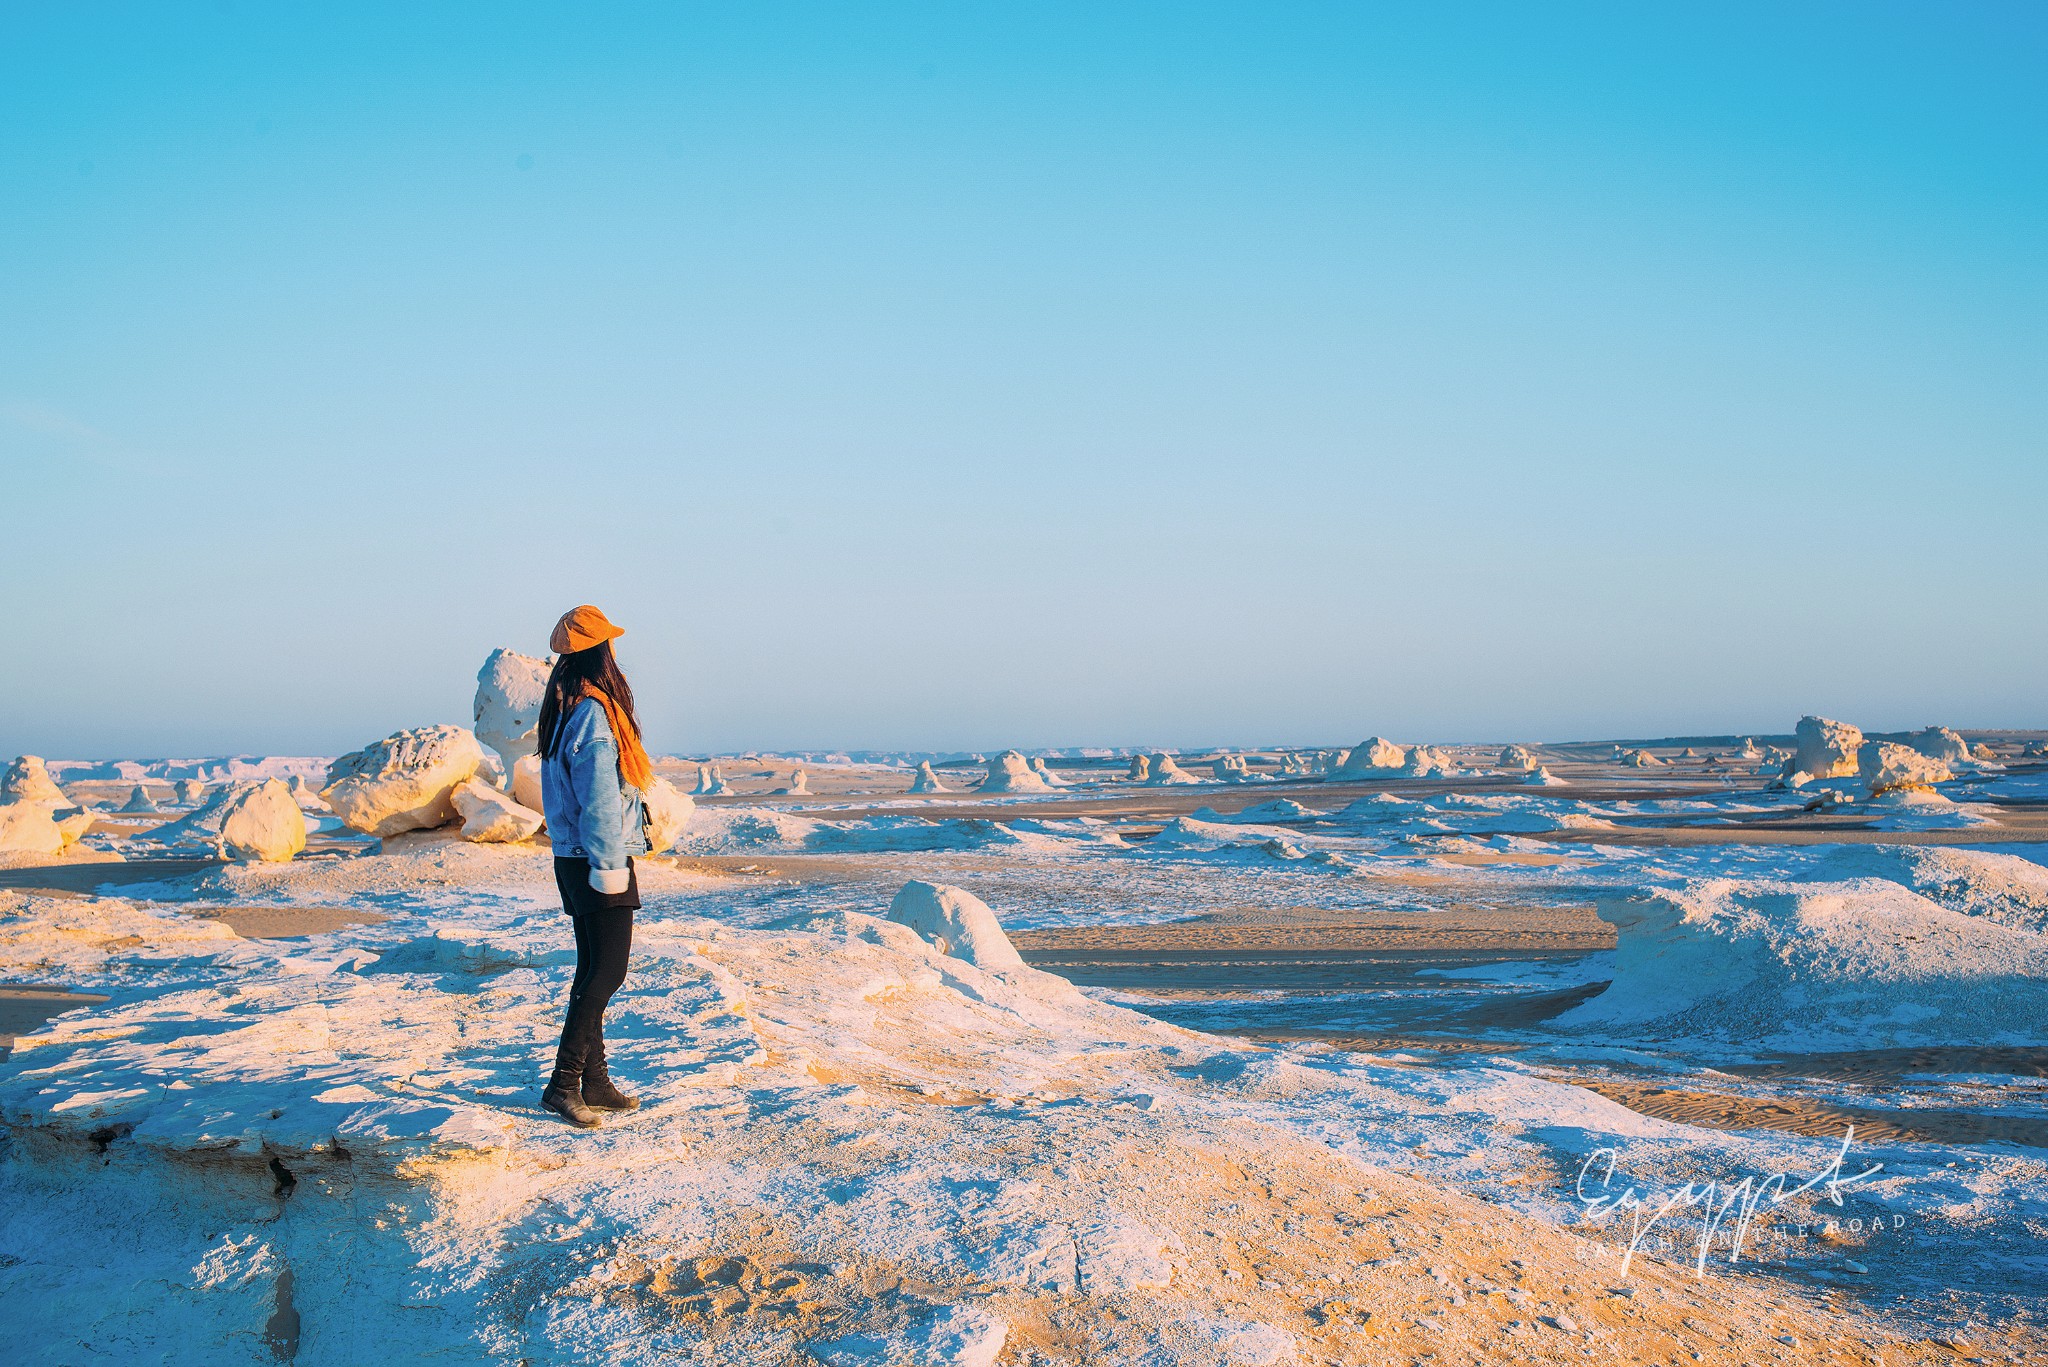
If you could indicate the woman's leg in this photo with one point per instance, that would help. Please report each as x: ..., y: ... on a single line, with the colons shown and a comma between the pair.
x: 604, y: 943
x: 612, y: 945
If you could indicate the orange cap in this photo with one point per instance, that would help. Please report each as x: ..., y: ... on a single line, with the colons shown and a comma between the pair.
x: 580, y: 629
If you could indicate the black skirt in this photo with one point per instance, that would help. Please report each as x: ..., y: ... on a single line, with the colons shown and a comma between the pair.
x: 572, y: 876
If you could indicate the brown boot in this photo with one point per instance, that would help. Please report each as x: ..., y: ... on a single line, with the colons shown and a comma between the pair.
x: 598, y: 1091
x: 564, y: 1096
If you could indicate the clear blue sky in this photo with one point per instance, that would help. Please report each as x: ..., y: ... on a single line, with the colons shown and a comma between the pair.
x: 961, y: 376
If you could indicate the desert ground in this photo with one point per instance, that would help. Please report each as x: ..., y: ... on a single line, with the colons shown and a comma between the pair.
x: 1299, y: 1057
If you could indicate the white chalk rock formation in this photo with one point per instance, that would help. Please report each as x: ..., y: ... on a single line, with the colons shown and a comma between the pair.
x: 1010, y: 772
x: 799, y: 786
x: 1140, y: 770
x: 405, y: 782
x: 1749, y: 750
x: 1426, y: 761
x: 1165, y: 773
x: 262, y: 822
x: 526, y: 782
x: 957, y: 923
x: 1886, y: 767
x: 1517, y: 758
x: 669, y: 810
x: 1938, y: 742
x: 1371, y: 758
x: 190, y: 790
x: 28, y: 828
x: 1232, y: 769
x: 490, y: 817
x: 1540, y: 777
x: 138, y: 801
x: 927, y: 781
x: 1824, y: 749
x: 509, y: 690
x: 27, y: 780
x: 1641, y: 759
x: 1052, y: 780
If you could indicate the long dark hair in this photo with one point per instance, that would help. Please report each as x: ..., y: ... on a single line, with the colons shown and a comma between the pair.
x: 568, y: 680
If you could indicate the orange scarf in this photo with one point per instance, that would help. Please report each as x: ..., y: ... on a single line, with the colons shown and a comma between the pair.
x: 634, y: 766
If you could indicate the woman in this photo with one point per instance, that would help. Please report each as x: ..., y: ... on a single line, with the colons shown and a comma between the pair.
x: 593, y: 770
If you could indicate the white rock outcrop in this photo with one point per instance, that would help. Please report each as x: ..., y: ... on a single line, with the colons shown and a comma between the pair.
x: 957, y: 923
x: 1373, y: 757
x: 1166, y: 774
x: 138, y: 801
x: 1824, y: 749
x: 1140, y: 770
x: 28, y: 780
x: 927, y: 781
x: 261, y: 822
x: 799, y: 785
x: 669, y: 810
x: 526, y: 782
x: 1540, y: 777
x: 28, y: 828
x: 1517, y: 759
x: 1887, y: 767
x: 1641, y: 759
x: 490, y: 817
x: 1010, y: 772
x: 1052, y: 780
x: 1232, y: 769
x: 1938, y: 742
x: 509, y: 691
x: 1426, y: 761
x: 190, y: 790
x: 405, y: 782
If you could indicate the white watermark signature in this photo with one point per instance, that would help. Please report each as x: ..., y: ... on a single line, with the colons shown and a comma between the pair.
x: 1724, y: 1208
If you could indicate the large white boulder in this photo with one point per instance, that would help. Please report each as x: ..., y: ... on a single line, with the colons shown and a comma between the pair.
x: 138, y: 801
x: 28, y: 828
x: 28, y: 780
x: 509, y: 691
x: 1373, y: 757
x: 526, y: 782
x: 262, y: 821
x: 1426, y: 761
x: 1010, y: 772
x: 1231, y: 769
x: 1165, y: 773
x: 1517, y: 758
x: 1052, y: 780
x: 669, y: 810
x: 405, y: 782
x: 927, y: 781
x: 957, y: 923
x: 190, y: 790
x: 1641, y: 759
x: 1824, y: 749
x: 490, y: 817
x: 1886, y: 767
x: 1938, y: 742
x: 1140, y: 770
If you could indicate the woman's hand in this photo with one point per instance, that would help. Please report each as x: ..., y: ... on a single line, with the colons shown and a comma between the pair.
x: 610, y: 881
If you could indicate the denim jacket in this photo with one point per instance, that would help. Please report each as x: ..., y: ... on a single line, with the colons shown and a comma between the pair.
x: 592, y: 814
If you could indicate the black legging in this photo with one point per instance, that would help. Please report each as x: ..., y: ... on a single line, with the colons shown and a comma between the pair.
x: 604, y: 942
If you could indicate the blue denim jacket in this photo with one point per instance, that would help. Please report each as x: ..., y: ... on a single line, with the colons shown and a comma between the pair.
x: 591, y: 813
